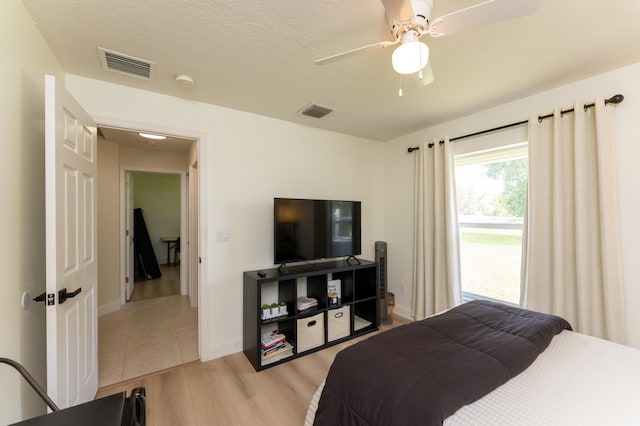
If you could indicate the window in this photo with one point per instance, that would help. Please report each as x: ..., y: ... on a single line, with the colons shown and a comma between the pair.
x: 491, y: 192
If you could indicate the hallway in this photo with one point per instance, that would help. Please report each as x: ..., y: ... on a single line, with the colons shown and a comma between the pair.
x: 157, y: 329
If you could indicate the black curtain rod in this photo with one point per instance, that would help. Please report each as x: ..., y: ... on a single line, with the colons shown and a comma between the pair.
x: 615, y: 99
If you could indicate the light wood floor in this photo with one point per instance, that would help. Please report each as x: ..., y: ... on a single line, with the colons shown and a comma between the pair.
x: 155, y: 330
x: 228, y: 391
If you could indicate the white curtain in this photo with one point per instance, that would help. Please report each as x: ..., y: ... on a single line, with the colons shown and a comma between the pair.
x: 436, y: 271
x: 572, y: 249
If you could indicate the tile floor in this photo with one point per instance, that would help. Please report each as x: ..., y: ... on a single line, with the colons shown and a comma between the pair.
x: 146, y: 336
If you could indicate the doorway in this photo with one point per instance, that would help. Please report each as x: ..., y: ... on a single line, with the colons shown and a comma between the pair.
x: 154, y: 200
x: 156, y: 328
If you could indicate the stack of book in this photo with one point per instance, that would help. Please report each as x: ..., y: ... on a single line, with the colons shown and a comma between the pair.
x: 303, y: 303
x: 333, y: 293
x: 274, y: 347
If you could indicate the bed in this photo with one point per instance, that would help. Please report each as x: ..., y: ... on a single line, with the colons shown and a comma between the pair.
x: 574, y: 380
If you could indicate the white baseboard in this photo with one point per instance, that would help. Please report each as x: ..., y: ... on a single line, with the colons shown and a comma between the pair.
x: 223, y: 349
x: 403, y: 311
x: 107, y: 309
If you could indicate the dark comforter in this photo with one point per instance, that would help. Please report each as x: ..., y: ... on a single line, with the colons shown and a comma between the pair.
x: 421, y: 373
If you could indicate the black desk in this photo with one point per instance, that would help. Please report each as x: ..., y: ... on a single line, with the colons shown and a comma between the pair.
x: 107, y: 411
x: 113, y: 410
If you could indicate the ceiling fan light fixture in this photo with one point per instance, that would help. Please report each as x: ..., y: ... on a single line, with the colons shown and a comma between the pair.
x: 410, y: 57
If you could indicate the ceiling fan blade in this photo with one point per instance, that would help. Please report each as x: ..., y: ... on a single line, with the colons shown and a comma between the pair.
x: 398, y: 10
x: 481, y: 14
x: 427, y: 76
x: 353, y: 52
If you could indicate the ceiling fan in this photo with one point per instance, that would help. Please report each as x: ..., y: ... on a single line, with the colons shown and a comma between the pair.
x: 409, y: 20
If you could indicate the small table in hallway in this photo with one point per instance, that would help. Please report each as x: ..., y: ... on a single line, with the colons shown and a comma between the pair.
x: 171, y: 244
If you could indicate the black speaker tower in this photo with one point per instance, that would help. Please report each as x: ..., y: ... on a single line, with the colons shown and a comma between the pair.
x: 381, y: 279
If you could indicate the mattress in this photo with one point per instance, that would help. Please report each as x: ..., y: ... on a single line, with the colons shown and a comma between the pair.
x: 577, y: 380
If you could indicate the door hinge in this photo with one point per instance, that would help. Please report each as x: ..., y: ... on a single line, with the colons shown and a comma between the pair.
x: 126, y: 232
x: 126, y: 280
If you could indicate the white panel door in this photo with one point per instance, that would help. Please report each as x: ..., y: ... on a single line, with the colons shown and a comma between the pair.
x: 71, y: 243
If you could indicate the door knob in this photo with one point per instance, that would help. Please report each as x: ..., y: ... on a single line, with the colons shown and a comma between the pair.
x: 63, y: 295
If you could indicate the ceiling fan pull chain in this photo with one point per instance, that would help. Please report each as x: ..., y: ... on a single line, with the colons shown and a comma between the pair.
x: 420, y: 70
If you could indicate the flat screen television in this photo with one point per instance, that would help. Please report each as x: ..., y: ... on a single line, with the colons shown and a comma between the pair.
x: 315, y: 229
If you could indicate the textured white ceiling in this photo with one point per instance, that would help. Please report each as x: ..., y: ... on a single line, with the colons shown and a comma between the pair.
x: 257, y: 56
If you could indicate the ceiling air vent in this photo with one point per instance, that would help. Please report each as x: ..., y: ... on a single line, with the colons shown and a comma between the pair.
x: 125, y: 64
x: 315, y: 110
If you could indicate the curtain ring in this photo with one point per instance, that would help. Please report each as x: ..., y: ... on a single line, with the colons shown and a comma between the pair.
x: 585, y: 108
x: 539, y: 119
x: 430, y: 145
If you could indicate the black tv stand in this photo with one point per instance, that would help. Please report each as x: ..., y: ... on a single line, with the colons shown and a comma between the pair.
x: 309, y: 330
x: 354, y: 258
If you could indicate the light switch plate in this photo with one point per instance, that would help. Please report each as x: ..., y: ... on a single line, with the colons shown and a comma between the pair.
x: 223, y: 236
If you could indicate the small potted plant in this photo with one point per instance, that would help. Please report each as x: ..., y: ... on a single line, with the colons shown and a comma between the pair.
x: 283, y: 309
x: 266, y: 311
x: 275, y: 310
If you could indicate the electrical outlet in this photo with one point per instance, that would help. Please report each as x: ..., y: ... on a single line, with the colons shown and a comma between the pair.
x: 403, y: 288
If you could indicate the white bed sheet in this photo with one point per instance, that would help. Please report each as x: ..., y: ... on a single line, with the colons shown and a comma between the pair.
x: 577, y: 380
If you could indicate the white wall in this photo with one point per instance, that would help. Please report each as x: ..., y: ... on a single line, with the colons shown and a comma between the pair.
x: 25, y: 59
x: 158, y: 195
x: 109, y: 229
x: 399, y: 175
x: 152, y: 161
x: 245, y: 161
